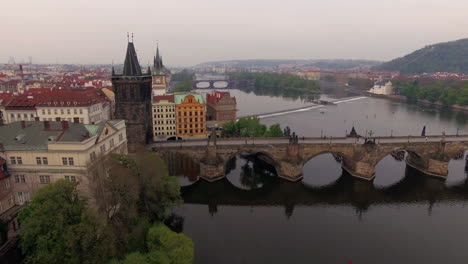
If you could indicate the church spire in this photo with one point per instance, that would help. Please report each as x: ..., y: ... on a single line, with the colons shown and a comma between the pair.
x: 131, y: 64
x: 113, y: 71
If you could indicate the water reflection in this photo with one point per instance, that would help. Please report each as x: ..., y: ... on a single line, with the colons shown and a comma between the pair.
x: 456, y: 167
x: 183, y: 167
x: 322, y: 170
x: 390, y: 170
x: 249, y: 172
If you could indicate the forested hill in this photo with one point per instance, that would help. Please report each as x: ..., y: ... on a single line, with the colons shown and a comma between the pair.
x: 443, y: 57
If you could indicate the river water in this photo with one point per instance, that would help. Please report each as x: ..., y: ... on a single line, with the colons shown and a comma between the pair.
x: 402, y: 216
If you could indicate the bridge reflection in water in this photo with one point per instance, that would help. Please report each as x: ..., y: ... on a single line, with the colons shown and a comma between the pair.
x: 250, y: 181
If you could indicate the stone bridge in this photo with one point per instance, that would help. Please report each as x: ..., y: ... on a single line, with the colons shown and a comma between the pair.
x: 428, y: 155
x: 211, y: 84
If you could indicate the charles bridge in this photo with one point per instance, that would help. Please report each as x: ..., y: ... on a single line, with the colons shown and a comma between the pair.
x: 429, y: 155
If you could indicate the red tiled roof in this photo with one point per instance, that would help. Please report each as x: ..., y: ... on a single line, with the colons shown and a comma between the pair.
x: 72, y: 98
x: 158, y: 98
x: 5, y: 98
x: 215, y: 96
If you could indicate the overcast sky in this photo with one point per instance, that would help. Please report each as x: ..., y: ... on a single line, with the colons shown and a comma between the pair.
x: 194, y: 31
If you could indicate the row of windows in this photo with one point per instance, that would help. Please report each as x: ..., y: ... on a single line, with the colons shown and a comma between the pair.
x: 163, y: 109
x: 191, y: 113
x: 190, y: 131
x: 190, y: 120
x: 62, y: 111
x: 162, y: 122
x: 44, y: 179
x: 64, y: 119
x: 165, y: 128
x: 162, y: 116
x: 190, y: 126
x: 164, y: 133
x: 19, y: 116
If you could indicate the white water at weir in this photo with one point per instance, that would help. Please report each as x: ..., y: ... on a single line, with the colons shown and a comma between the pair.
x: 306, y: 108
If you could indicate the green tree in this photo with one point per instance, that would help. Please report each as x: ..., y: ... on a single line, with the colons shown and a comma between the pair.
x: 58, y: 228
x: 178, y: 247
x: 274, y: 131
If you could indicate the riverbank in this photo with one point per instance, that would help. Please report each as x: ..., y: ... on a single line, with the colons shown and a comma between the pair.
x: 400, y: 98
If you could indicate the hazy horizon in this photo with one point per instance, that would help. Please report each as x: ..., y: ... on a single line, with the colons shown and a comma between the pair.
x: 196, y: 31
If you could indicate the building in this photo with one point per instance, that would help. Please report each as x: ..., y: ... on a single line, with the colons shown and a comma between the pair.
x: 220, y: 108
x: 160, y: 76
x: 87, y: 106
x: 36, y: 153
x: 164, y: 117
x: 191, y: 116
x: 4, y: 100
x: 381, y: 87
x: 133, y: 100
x: 21, y: 108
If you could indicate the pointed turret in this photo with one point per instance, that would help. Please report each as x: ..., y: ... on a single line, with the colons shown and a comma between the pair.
x: 131, y: 64
x: 113, y: 71
x: 149, y: 70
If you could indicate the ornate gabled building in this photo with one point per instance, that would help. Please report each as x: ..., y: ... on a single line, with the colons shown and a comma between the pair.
x: 161, y: 75
x: 133, y: 97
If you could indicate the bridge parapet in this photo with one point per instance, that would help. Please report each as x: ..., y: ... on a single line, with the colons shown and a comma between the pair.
x: 430, y: 157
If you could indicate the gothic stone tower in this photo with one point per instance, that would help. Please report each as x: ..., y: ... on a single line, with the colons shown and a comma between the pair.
x: 133, y: 100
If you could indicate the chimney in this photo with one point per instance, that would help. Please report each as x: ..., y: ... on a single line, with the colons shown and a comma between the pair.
x: 76, y: 120
x: 23, y: 124
x: 46, y: 125
x: 64, y: 124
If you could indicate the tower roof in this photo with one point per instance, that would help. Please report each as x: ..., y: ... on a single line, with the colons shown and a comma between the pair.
x: 131, y: 64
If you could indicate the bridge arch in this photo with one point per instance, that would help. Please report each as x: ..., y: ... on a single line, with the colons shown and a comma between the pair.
x: 322, y: 170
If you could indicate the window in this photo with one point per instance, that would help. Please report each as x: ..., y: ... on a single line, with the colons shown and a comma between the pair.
x: 92, y: 156
x: 61, y: 111
x: 48, y: 111
x: 55, y: 111
x: 20, y: 178
x: 44, y: 179
x: 111, y: 143
x: 68, y: 111
x: 81, y: 111
x: 43, y: 111
x: 68, y: 161
x: 6, y: 184
x: 38, y: 160
x: 120, y: 137
x: 11, y: 200
x: 16, y: 160
x: 74, y: 111
x: 45, y: 161
x: 103, y: 148
x: 70, y: 178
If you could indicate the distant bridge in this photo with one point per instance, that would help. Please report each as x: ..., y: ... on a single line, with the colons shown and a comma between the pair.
x: 211, y: 82
x: 429, y: 155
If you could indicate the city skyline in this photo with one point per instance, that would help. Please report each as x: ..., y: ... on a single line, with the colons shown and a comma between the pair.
x: 192, y: 32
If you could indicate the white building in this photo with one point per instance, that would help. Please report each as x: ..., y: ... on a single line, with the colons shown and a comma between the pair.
x: 88, y: 106
x: 33, y: 154
x: 382, y: 88
x: 163, y: 117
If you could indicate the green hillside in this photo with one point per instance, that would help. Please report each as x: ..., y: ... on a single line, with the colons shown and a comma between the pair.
x: 443, y: 57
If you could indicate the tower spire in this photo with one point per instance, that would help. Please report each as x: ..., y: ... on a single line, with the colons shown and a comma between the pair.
x: 131, y: 64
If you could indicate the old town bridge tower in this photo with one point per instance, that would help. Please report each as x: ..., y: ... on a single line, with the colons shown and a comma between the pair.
x: 133, y: 100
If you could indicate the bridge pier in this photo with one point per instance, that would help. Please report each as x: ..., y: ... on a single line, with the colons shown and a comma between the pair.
x: 361, y: 170
x: 429, y: 166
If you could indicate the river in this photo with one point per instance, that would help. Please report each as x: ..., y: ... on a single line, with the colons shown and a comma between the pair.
x: 402, y: 216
